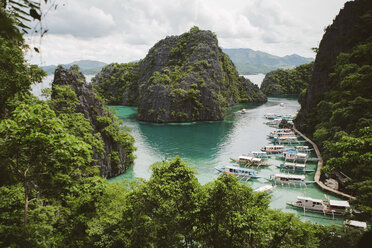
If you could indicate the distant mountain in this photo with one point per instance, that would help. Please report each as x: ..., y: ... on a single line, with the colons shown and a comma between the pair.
x: 248, y: 61
x: 88, y: 67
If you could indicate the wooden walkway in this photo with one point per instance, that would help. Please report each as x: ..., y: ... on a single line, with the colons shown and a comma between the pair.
x: 320, y: 164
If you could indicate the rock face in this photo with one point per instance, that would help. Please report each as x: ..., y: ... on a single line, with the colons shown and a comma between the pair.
x: 290, y: 81
x: 118, y: 149
x: 188, y: 78
x: 339, y: 37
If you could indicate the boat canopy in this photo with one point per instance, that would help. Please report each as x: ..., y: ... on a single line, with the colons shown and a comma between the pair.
x: 355, y: 223
x: 290, y: 176
x: 335, y: 203
x: 294, y: 165
x: 239, y: 168
x: 309, y: 199
x: 245, y: 157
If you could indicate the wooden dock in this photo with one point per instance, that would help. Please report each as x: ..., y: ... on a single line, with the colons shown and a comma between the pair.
x: 320, y: 165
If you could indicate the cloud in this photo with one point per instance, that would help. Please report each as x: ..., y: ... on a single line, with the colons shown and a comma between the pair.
x: 122, y: 31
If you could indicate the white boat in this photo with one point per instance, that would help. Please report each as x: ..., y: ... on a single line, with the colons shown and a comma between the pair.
x: 294, y: 167
x: 271, y: 116
x: 289, y: 179
x: 260, y: 154
x: 266, y: 188
x: 280, y: 134
x: 249, y: 161
x: 238, y: 171
x: 274, y: 122
x: 242, y: 111
x: 293, y: 155
x: 303, y: 148
x: 286, y: 140
x: 273, y: 149
x: 361, y: 225
x: 332, y: 207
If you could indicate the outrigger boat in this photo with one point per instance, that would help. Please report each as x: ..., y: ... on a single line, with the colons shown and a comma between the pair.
x: 280, y: 134
x: 303, y: 148
x: 294, y: 167
x: 272, y: 116
x: 238, y: 171
x: 242, y: 111
x: 273, y: 149
x: 249, y: 161
x: 274, y: 122
x: 331, y: 207
x: 266, y: 188
x: 286, y: 140
x: 289, y: 179
x: 288, y: 117
x: 293, y: 155
x: 260, y: 154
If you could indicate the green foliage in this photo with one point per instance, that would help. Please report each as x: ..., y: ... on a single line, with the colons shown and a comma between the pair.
x: 15, y: 75
x: 118, y: 83
x: 290, y: 81
x: 341, y: 122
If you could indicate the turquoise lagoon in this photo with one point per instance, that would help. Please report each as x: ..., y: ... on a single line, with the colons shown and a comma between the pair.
x: 206, y: 145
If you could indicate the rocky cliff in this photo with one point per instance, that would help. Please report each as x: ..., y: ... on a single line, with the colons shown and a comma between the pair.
x: 290, y: 81
x: 346, y: 31
x: 187, y: 78
x: 116, y: 153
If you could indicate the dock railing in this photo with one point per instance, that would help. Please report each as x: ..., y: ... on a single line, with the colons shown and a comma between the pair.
x: 319, y: 167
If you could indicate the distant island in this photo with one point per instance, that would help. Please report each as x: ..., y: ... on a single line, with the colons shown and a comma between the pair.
x: 87, y: 67
x: 248, y: 61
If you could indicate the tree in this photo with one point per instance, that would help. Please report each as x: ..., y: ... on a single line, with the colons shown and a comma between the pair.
x: 36, y: 150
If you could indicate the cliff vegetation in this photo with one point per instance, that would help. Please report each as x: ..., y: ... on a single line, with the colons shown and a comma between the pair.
x: 287, y: 82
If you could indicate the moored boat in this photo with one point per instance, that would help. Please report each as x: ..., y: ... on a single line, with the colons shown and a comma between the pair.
x: 260, y: 154
x: 271, y: 116
x: 293, y: 155
x: 273, y: 149
x: 294, y: 167
x: 266, y: 188
x: 332, y: 207
x: 289, y: 179
x: 249, y: 161
x: 303, y: 148
x: 238, y: 171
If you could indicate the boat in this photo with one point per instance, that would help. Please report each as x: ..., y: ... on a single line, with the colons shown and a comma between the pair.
x: 260, y: 154
x: 274, y: 122
x: 266, y: 188
x: 273, y: 149
x: 293, y: 155
x: 332, y: 207
x: 303, y: 148
x: 294, y: 167
x: 249, y: 161
x: 274, y: 134
x: 238, y: 171
x: 271, y: 116
x: 289, y: 179
x: 242, y: 111
x: 286, y: 140
x: 361, y: 225
x: 288, y: 117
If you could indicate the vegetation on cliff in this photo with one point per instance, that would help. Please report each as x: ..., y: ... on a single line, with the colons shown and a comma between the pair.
x: 182, y: 78
x: 341, y: 117
x: 290, y: 81
x: 84, y: 113
x: 118, y: 83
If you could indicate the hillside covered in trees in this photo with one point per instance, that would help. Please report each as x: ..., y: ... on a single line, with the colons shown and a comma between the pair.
x: 51, y: 193
x: 335, y: 109
x: 287, y: 82
x: 183, y: 78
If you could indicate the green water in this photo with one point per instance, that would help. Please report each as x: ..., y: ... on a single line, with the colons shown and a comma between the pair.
x: 206, y: 145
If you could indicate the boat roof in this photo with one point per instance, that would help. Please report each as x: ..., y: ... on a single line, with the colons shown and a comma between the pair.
x: 294, y: 164
x: 245, y: 157
x: 302, y: 177
x: 238, y: 168
x: 304, y: 147
x: 264, y: 188
x: 301, y: 154
x: 277, y: 146
x: 309, y: 199
x: 258, y: 152
x: 339, y: 203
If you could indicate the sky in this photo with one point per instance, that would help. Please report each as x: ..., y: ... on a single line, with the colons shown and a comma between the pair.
x: 124, y: 30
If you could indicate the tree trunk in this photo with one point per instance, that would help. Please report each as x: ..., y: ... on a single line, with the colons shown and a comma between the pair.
x: 26, y: 197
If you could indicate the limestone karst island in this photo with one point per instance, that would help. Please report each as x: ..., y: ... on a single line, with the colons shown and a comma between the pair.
x: 186, y: 123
